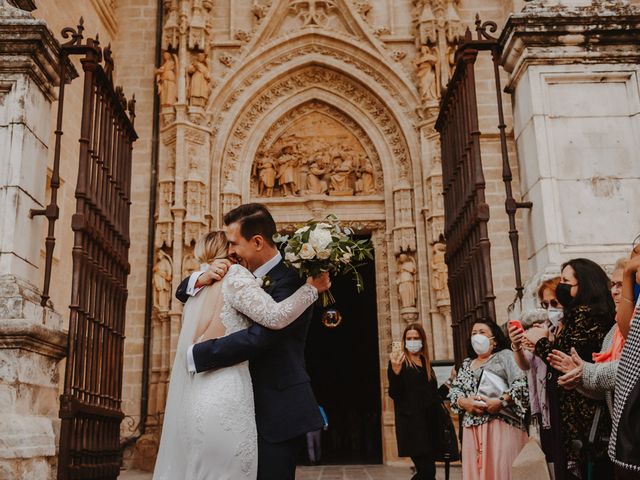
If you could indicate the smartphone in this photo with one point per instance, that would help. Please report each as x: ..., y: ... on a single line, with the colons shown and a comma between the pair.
x: 516, y: 323
x: 396, y: 347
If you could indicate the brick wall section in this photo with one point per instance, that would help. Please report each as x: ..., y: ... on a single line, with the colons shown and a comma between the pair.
x: 134, y: 51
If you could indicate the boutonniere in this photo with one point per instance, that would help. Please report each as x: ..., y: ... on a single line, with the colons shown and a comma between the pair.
x: 265, y: 282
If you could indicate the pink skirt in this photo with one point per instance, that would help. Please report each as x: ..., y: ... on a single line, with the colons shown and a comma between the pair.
x: 488, y: 450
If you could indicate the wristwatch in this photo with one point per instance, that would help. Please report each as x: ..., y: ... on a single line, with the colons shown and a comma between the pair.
x: 504, y: 402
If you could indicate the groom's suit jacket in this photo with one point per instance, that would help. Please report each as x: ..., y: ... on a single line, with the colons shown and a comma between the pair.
x: 285, y: 404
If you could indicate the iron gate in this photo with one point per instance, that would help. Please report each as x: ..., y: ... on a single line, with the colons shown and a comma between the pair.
x: 90, y: 407
x: 468, y: 254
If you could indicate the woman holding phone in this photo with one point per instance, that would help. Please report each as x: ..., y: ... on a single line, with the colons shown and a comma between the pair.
x: 414, y: 390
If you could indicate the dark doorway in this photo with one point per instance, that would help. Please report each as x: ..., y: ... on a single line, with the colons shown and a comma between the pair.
x: 343, y: 363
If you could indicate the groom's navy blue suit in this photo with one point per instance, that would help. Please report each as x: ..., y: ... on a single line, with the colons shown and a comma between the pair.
x: 286, y: 407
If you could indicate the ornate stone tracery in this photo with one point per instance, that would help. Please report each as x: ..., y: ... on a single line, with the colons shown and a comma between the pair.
x: 305, y: 79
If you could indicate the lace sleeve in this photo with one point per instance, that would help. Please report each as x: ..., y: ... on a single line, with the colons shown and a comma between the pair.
x: 244, y: 294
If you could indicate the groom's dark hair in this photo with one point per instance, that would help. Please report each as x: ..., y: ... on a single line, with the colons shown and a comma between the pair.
x: 254, y: 219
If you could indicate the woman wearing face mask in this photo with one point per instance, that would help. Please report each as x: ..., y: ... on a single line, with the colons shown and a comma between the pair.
x: 543, y: 395
x: 588, y: 316
x: 596, y: 379
x: 414, y: 390
x: 494, y: 428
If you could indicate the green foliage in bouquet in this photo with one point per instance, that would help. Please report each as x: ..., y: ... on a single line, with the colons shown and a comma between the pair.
x: 325, y: 246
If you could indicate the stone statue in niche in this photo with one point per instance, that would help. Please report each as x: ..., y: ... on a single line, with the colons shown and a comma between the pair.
x: 427, y: 72
x: 194, y: 200
x: 340, y: 177
x: 166, y: 79
x: 266, y: 175
x: 200, y: 81
x: 189, y: 265
x: 287, y: 171
x: 162, y: 274
x: 439, y: 272
x: 406, y: 281
x: 316, y: 185
x: 365, y: 184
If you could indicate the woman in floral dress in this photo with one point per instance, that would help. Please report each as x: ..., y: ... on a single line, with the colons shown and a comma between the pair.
x: 494, y: 429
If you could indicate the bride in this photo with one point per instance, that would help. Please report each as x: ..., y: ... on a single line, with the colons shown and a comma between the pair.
x: 209, y: 429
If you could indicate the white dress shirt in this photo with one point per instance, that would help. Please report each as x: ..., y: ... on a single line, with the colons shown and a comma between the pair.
x: 259, y: 272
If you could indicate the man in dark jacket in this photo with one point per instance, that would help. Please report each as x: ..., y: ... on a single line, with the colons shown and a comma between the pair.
x: 285, y: 404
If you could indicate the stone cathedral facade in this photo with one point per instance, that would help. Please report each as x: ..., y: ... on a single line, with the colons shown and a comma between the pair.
x: 310, y: 107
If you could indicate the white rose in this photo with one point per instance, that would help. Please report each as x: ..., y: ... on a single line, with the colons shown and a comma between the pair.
x: 323, y: 225
x: 307, y: 252
x: 302, y: 230
x: 291, y: 257
x: 346, y: 258
x: 324, y: 254
x: 259, y: 281
x: 320, y: 238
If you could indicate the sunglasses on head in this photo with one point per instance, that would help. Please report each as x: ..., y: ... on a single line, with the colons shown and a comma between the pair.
x: 551, y: 303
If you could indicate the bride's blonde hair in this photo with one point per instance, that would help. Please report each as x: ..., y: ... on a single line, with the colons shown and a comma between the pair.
x: 212, y: 246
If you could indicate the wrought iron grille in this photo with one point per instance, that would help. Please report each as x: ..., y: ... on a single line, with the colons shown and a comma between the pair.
x: 468, y: 251
x: 90, y: 407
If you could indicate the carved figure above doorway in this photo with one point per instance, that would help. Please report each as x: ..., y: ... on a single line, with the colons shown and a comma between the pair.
x: 315, y: 155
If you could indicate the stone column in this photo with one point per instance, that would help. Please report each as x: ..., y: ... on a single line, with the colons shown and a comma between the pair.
x: 574, y: 78
x: 32, y: 340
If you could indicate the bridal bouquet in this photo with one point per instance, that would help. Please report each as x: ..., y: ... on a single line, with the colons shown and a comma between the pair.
x: 325, y: 246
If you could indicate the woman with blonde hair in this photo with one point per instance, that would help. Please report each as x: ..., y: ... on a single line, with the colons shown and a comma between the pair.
x: 414, y: 390
x: 209, y: 429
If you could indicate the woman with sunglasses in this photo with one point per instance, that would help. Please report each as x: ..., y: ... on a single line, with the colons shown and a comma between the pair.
x: 588, y: 315
x: 543, y: 395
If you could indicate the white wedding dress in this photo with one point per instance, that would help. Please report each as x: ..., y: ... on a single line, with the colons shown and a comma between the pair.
x: 209, y: 428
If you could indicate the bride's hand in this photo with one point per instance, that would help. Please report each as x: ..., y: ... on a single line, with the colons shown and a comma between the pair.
x: 321, y: 283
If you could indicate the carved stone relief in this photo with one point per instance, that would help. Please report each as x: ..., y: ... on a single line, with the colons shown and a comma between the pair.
x: 166, y: 79
x: 406, y: 281
x: 200, y: 83
x: 315, y: 155
x: 162, y: 274
x: 312, y: 12
x: 301, y: 80
x: 439, y: 272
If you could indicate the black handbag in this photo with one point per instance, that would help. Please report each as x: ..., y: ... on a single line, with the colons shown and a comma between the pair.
x: 446, y: 445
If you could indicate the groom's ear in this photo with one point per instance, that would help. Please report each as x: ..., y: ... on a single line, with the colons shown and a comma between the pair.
x: 258, y: 242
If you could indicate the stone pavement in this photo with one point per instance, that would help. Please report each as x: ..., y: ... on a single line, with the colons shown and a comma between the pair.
x: 339, y: 472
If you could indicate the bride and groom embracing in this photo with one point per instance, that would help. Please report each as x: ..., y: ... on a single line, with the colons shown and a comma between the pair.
x: 239, y: 397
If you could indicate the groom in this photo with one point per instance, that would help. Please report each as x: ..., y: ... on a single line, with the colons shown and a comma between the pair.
x: 285, y: 405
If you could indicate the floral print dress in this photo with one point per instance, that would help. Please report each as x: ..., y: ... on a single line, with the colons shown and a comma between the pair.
x: 466, y: 384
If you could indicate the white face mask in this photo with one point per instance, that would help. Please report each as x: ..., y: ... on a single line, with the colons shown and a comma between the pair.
x: 555, y: 315
x: 414, y: 346
x: 480, y: 343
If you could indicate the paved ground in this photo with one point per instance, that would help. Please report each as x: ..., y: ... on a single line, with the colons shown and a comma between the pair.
x: 349, y: 472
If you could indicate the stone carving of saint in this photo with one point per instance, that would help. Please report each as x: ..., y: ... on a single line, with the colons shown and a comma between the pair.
x: 406, y: 281
x: 166, y: 80
x: 162, y: 273
x: 189, y: 265
x: 200, y: 83
x: 316, y: 185
x: 365, y: 184
x: 340, y: 176
x: 266, y: 176
x: 427, y: 73
x: 439, y: 272
x: 287, y: 174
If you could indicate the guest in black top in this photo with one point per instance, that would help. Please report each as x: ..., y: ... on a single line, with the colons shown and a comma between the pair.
x: 414, y: 390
